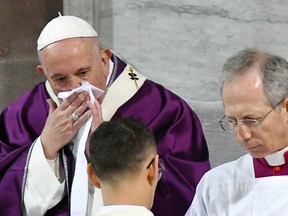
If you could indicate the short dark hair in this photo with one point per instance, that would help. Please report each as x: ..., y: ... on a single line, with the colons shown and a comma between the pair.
x: 119, y: 147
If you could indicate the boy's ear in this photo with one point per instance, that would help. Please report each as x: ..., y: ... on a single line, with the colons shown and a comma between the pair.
x: 93, y: 178
x: 152, y: 176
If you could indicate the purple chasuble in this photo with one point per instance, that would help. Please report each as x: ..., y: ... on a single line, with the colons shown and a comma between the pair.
x: 178, y: 132
x: 21, y: 123
x: 180, y: 145
x: 263, y: 169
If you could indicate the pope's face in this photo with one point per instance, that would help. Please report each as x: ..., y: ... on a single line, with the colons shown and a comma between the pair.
x: 69, y: 62
x: 243, y: 98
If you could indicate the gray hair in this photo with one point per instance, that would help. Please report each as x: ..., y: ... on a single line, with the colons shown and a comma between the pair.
x: 273, y: 69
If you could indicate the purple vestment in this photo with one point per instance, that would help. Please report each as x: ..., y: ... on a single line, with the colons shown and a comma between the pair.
x: 178, y: 132
x: 263, y: 169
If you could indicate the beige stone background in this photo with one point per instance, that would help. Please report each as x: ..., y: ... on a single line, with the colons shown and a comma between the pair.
x: 20, y: 26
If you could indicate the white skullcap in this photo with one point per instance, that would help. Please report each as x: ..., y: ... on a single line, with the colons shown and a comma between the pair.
x: 64, y: 27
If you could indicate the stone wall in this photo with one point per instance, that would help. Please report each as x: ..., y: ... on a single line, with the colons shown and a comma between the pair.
x: 20, y: 26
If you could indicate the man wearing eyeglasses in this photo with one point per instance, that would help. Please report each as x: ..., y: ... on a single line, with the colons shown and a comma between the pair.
x: 255, y: 98
x: 124, y: 165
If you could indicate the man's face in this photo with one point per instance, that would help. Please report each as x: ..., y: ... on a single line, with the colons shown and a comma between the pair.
x: 69, y: 62
x: 243, y: 98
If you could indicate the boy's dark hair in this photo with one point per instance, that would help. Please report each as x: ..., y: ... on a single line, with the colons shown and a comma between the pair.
x: 119, y: 147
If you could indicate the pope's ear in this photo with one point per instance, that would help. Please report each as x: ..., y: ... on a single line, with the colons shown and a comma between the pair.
x: 93, y: 178
x: 40, y: 69
x: 105, y: 56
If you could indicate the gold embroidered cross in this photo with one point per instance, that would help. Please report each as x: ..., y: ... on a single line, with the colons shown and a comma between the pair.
x: 133, y: 76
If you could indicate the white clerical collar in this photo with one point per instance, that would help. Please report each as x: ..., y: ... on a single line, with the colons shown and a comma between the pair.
x: 277, y: 158
x: 111, y: 66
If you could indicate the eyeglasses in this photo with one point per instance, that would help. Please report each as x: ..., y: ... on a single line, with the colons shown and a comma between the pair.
x: 161, y: 168
x: 231, y: 124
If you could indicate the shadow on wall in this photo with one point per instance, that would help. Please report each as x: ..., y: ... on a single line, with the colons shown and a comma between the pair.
x: 223, y: 146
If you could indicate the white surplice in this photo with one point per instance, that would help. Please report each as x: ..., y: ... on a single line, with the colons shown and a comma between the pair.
x: 231, y: 189
x: 123, y: 210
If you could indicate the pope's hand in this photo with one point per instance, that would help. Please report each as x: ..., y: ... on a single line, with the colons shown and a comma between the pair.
x: 61, y: 126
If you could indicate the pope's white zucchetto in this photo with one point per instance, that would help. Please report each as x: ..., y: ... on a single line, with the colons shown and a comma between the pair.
x: 64, y: 27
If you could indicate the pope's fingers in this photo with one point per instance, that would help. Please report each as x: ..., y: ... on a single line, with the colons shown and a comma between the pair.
x: 75, y: 100
x: 96, y: 109
x: 79, y: 102
x: 97, y: 114
x: 80, y: 120
x: 98, y: 106
x: 65, y: 103
x: 78, y: 111
x: 52, y: 105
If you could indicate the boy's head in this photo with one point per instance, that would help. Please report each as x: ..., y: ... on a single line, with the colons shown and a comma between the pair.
x: 121, y: 152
